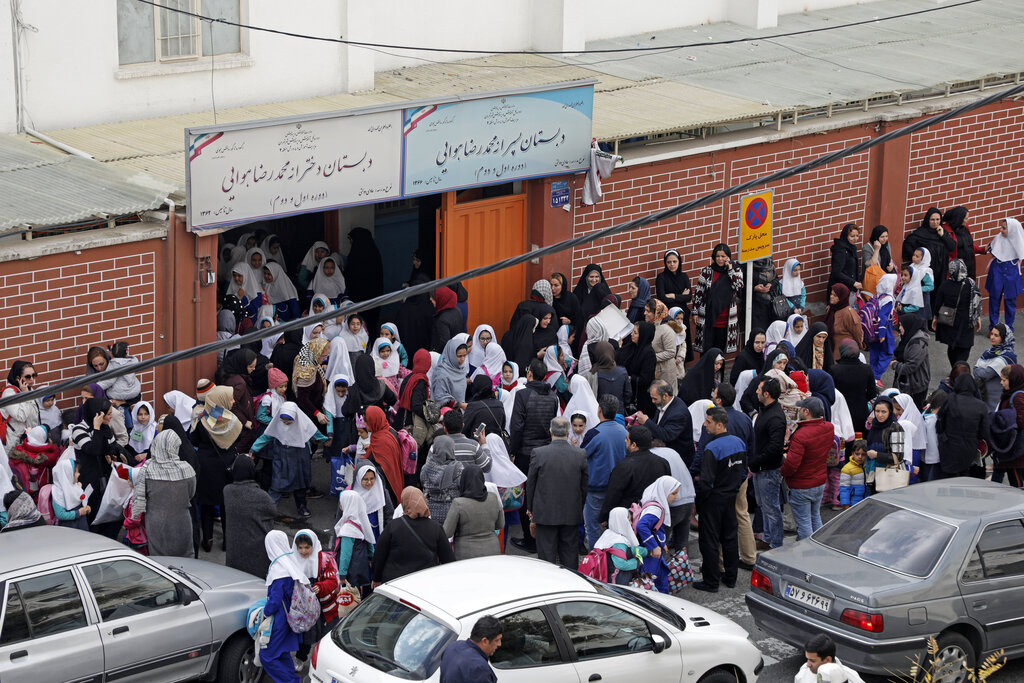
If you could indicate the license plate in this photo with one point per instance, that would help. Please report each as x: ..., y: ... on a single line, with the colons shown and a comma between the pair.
x: 811, y: 599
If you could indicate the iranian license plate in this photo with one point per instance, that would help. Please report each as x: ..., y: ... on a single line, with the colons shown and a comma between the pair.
x: 809, y: 598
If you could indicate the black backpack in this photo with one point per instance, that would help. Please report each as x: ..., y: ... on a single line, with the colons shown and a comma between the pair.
x: 1007, y: 438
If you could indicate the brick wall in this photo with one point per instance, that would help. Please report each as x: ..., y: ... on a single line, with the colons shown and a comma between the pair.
x: 58, y: 306
x: 976, y: 161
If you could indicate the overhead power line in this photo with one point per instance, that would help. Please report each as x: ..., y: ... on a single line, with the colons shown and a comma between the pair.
x: 580, y: 240
x: 707, y: 43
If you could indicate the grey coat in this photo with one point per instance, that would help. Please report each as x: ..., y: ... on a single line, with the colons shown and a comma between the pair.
x: 249, y: 516
x: 557, y: 483
x: 168, y: 522
x: 473, y: 523
x: 914, y: 374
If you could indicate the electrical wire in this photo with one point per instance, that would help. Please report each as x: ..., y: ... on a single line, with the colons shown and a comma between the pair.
x: 731, y: 41
x: 579, y: 240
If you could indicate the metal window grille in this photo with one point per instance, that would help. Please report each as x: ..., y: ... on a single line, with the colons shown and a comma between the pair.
x: 178, y: 35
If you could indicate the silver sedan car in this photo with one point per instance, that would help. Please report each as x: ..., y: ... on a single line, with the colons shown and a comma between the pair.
x: 81, y: 607
x: 943, y: 559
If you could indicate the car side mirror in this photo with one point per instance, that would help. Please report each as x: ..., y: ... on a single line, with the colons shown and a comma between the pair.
x: 185, y: 594
x: 658, y: 643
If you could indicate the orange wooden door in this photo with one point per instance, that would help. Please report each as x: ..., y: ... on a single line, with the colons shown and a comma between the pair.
x: 477, y: 233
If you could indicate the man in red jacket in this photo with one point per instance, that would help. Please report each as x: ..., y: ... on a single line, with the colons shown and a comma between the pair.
x: 804, y: 466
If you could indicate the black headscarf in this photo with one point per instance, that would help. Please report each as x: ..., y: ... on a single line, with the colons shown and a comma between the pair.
x: 237, y: 363
x: 699, y: 380
x: 926, y: 221
x: 364, y: 270
x: 784, y: 348
x: 911, y: 323
x: 720, y: 294
x: 286, y: 351
x: 15, y: 374
x: 592, y: 299
x: 823, y: 386
x: 963, y: 385
x: 480, y: 389
x: 566, y: 304
x: 955, y: 218
x: 186, y: 451
x: 93, y: 407
x: 545, y: 336
x: 747, y: 358
x: 243, y: 469
x: 876, y: 435
x: 370, y: 388
x: 517, y: 343
x: 885, y: 254
x: 633, y: 354
x: 805, y: 349
x: 676, y: 283
x: 471, y: 483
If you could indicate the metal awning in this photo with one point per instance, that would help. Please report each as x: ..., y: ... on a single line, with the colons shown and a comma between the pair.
x: 40, y: 187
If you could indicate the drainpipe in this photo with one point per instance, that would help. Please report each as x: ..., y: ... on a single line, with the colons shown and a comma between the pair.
x: 67, y: 148
x: 170, y: 337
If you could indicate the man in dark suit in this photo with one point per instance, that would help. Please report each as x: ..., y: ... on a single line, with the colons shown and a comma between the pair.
x: 556, y: 489
x: 638, y: 470
x: 672, y: 423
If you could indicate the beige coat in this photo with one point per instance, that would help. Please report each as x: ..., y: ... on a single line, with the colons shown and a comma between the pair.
x: 664, y: 346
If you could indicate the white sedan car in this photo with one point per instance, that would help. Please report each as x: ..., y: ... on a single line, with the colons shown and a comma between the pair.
x: 558, y: 626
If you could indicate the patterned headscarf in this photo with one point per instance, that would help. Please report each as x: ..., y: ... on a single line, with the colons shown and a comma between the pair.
x: 307, y: 364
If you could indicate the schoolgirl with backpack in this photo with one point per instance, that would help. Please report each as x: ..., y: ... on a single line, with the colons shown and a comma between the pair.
x: 322, y: 570
x: 649, y: 523
x: 617, y: 555
x: 291, y: 604
x: 876, y: 321
x: 354, y: 541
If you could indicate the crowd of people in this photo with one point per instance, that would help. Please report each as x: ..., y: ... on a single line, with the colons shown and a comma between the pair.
x: 596, y: 440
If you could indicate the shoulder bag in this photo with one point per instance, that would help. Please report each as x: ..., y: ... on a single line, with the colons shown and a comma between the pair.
x: 947, y: 314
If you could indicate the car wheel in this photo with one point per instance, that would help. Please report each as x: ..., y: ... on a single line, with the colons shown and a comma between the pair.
x: 954, y: 661
x: 719, y: 676
x: 238, y: 662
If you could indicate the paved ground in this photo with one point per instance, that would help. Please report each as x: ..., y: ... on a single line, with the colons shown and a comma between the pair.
x: 782, y: 661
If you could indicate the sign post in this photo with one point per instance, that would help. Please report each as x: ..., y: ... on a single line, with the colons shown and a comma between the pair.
x: 755, y: 240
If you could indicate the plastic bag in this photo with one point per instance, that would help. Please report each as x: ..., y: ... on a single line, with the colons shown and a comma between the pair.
x: 116, y: 494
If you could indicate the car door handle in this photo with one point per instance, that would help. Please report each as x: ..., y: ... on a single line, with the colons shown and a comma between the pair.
x: 980, y: 604
x: 594, y: 677
x: 119, y: 630
x: 19, y: 654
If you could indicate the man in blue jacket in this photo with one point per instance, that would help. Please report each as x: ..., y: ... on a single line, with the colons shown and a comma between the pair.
x: 605, y: 445
x: 466, y: 661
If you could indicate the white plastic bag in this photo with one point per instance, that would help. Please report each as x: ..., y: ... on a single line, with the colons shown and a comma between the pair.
x: 115, y: 496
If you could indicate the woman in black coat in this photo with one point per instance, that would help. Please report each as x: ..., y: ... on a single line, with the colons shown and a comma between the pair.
x: 591, y: 291
x: 963, y: 422
x: 448, y: 320
x: 846, y: 267
x: 953, y: 222
x: 565, y: 303
x: 212, y: 475
x: 856, y: 382
x: 637, y: 356
x: 956, y: 292
x: 483, y: 408
x: 936, y: 239
x: 672, y: 287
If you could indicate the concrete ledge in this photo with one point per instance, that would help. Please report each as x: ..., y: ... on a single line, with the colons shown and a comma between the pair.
x: 23, y: 250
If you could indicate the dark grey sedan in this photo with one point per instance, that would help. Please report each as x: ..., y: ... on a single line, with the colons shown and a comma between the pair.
x: 943, y: 559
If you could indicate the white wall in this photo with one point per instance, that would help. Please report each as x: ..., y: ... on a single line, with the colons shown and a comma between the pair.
x: 72, y: 76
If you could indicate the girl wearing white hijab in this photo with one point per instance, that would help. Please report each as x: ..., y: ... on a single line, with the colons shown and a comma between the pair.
x: 330, y: 283
x: 582, y: 401
x: 275, y: 255
x: 389, y: 367
x: 256, y: 259
x: 246, y: 288
x: 792, y: 335
x: 68, y: 497
x: 370, y: 488
x: 1004, y: 282
x: 181, y: 405
x: 912, y: 421
x: 650, y: 527
x: 142, y: 435
x: 396, y: 342
x: 288, y: 436
x: 775, y: 333
x: 624, y: 550
x: 355, y: 539
x: 353, y: 333
x: 485, y: 356
x: 881, y: 351
x: 280, y: 291
x: 793, y: 286
x: 554, y: 369
x: 911, y: 297
x: 267, y: 344
x: 310, y: 262
x: 922, y: 259
x: 285, y: 570
x: 510, y: 384
x: 339, y: 361
x: 563, y: 343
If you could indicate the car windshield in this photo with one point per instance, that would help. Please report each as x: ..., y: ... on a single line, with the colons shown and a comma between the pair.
x: 889, y: 536
x: 394, y: 638
x: 640, y: 600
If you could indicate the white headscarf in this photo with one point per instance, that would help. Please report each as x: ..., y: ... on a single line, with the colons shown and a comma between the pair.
x: 142, y: 436
x: 249, y: 284
x: 885, y: 287
x: 912, y: 415
x: 295, y: 435
x: 508, y: 399
x: 595, y: 332
x: 284, y: 562
x: 619, y: 530
x: 374, y: 498
x: 354, y: 523
x: 791, y: 336
x: 386, y: 367
x: 310, y: 566
x: 658, y: 492
x: 553, y: 365
x: 331, y: 403
x: 307, y: 332
x: 51, y: 416
x: 393, y: 329
x: 267, y: 344
x: 842, y: 420
x: 65, y: 491
x: 791, y: 285
x: 582, y: 401
x: 1011, y: 247
x: 281, y: 289
x: 911, y: 294
x: 925, y: 264
x: 357, y: 341
x: 476, y: 354
x: 339, y: 362
x: 36, y: 436
x: 742, y: 382
x: 257, y: 273
x: 493, y: 357
x: 309, y: 260
x: 698, y: 411
x: 503, y: 472
x: 776, y: 332
x: 265, y: 246
x: 334, y: 285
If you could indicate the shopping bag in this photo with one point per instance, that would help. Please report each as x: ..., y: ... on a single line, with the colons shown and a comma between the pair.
x: 892, y: 477
x: 116, y: 494
x: 348, y: 599
x: 338, y: 470
x: 644, y: 580
x: 680, y: 573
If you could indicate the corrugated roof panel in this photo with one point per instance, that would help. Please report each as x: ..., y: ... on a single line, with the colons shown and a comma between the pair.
x: 39, y: 187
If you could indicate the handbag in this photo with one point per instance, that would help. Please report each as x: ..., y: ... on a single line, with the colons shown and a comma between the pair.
x: 504, y: 432
x: 680, y: 573
x: 431, y: 413
x: 511, y: 497
x: 947, y: 314
x: 891, y: 477
x: 780, y: 307
x: 348, y: 599
x: 644, y: 581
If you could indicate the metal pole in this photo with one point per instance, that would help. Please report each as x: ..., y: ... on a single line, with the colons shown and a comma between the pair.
x: 749, y: 288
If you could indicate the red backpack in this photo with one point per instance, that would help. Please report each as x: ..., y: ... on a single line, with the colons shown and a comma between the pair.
x: 45, y: 505
x: 595, y: 563
x: 408, y: 446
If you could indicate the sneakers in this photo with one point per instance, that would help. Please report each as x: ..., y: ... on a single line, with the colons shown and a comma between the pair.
x: 304, y: 511
x: 312, y: 493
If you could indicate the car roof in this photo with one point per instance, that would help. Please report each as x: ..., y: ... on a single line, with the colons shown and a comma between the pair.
x: 468, y: 586
x: 957, y: 500
x: 35, y: 546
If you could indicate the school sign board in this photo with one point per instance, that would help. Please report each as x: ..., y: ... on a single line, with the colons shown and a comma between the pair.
x: 756, y: 226
x: 268, y: 169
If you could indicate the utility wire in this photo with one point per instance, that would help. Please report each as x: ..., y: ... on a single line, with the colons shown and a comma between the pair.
x: 571, y: 243
x: 731, y: 41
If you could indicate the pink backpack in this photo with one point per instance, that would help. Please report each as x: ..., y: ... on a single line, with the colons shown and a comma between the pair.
x: 45, y: 505
x: 635, y: 510
x: 595, y: 563
x: 408, y: 445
